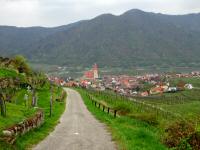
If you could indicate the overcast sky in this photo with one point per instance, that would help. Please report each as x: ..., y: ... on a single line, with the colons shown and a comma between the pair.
x: 60, y: 12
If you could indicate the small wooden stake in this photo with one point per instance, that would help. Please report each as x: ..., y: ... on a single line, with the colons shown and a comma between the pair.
x: 115, y: 113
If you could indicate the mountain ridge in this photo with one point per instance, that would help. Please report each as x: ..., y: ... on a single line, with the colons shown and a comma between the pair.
x: 134, y: 38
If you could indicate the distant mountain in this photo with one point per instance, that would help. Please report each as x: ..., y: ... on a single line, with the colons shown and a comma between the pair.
x: 135, y: 38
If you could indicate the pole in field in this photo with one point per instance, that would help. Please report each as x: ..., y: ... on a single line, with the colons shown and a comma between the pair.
x: 25, y: 99
x: 51, y: 100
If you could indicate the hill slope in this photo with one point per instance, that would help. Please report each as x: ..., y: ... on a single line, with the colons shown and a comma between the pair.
x: 135, y: 38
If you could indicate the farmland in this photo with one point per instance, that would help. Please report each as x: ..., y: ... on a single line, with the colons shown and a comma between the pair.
x: 164, y: 113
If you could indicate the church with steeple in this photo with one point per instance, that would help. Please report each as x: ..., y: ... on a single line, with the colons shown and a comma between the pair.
x: 93, y: 73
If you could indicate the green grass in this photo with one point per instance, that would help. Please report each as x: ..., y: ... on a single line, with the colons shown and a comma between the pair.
x: 18, y: 98
x: 157, y: 111
x: 184, y: 104
x: 195, y: 81
x: 33, y: 137
x: 20, y: 113
x: 130, y: 134
x: 7, y: 73
x: 129, y: 108
x: 188, y: 110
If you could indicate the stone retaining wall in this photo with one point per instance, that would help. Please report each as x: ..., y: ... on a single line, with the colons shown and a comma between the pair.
x: 10, y: 134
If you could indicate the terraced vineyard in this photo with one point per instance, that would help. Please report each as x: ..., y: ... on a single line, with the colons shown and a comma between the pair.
x: 16, y: 103
x: 164, y: 112
x: 129, y: 133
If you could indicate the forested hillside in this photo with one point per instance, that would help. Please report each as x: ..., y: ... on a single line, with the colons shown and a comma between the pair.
x: 135, y: 38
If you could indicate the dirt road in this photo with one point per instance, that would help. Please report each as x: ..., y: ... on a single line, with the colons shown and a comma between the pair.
x: 78, y: 129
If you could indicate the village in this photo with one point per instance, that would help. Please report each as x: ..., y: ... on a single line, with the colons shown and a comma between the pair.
x: 139, y: 85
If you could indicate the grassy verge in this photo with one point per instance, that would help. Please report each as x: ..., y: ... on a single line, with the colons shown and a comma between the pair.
x: 130, y: 134
x: 33, y: 137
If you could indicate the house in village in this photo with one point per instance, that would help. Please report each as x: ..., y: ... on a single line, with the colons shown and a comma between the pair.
x: 71, y: 84
x: 159, y: 89
x: 144, y: 94
x: 188, y: 86
x: 172, y: 89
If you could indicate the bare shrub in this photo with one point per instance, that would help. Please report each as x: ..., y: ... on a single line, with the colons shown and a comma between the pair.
x: 178, y: 131
x: 194, y: 141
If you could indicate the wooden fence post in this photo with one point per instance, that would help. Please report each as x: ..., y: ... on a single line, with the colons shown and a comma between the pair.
x: 115, y: 113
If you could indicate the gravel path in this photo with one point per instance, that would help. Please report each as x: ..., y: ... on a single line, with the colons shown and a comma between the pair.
x: 78, y: 129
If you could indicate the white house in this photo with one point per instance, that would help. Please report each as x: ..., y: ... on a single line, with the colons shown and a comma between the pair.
x: 172, y: 89
x: 189, y: 86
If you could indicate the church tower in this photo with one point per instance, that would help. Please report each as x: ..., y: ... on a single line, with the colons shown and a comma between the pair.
x: 95, y: 71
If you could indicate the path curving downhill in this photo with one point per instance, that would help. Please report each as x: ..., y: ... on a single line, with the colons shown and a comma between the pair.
x: 78, y: 129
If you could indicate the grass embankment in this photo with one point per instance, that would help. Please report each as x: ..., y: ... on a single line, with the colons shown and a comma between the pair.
x: 129, y: 133
x: 12, y: 118
x: 21, y: 112
x: 15, y: 113
x: 15, y: 77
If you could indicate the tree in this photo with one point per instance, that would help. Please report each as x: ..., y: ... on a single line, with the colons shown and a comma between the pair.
x: 181, y: 85
x: 2, y: 104
x: 20, y: 63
